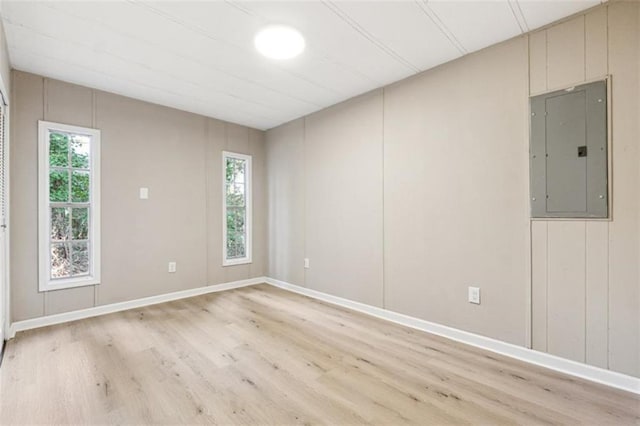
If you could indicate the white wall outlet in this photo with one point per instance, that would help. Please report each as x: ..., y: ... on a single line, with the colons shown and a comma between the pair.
x: 474, y: 295
x: 172, y: 267
x: 144, y: 193
x: 306, y: 263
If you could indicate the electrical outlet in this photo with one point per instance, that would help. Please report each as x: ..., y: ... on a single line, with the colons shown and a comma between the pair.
x: 172, y: 267
x: 474, y: 295
x: 306, y: 263
x: 144, y: 193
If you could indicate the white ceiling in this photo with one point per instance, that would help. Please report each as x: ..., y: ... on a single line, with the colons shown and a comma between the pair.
x: 199, y: 56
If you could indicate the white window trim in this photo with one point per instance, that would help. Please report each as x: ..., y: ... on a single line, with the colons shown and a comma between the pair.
x: 248, y: 202
x: 45, y: 282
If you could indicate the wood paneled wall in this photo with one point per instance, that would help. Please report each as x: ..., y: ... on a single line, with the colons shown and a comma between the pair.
x: 455, y: 195
x: 585, y: 282
x: 176, y: 154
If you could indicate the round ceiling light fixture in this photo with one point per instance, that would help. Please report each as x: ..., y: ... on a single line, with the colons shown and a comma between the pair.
x: 279, y: 42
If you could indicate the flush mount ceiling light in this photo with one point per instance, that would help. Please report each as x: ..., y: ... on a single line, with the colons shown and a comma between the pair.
x: 279, y: 42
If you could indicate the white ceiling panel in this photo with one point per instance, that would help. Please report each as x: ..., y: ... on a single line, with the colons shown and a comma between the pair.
x: 330, y: 35
x: 166, y: 35
x: 129, y: 69
x: 477, y: 24
x: 419, y: 41
x: 312, y: 69
x: 59, y: 69
x: 199, y: 56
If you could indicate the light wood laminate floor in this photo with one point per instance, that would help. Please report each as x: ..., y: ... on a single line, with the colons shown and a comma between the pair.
x: 260, y: 355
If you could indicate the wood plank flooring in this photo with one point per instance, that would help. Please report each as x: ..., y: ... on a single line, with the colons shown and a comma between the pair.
x: 260, y: 355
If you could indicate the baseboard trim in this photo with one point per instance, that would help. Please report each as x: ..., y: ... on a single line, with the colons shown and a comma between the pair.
x: 562, y: 365
x: 123, y: 306
x: 573, y: 368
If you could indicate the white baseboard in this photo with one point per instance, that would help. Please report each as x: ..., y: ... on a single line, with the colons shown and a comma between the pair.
x: 577, y: 369
x: 123, y: 306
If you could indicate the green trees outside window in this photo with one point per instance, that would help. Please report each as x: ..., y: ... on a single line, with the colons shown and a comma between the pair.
x: 235, y: 184
x: 69, y: 197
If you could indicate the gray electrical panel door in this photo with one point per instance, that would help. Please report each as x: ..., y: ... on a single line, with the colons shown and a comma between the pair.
x: 568, y: 153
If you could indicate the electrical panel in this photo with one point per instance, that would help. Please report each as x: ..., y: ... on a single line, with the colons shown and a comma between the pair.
x: 568, y: 153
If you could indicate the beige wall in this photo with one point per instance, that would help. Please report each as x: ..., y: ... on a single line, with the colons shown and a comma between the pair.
x: 586, y: 291
x: 453, y: 217
x: 285, y: 158
x: 453, y: 146
x: 177, y: 155
x: 343, y: 199
x: 325, y: 200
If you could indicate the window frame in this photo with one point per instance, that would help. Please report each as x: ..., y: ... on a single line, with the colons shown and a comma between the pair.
x: 45, y: 282
x: 248, y: 205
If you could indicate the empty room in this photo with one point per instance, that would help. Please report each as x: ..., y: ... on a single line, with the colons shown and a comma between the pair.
x: 335, y: 212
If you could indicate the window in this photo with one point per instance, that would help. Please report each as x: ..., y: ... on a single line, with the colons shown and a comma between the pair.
x: 69, y: 206
x: 236, y: 208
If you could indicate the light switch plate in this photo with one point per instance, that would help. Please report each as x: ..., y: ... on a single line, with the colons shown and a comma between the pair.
x: 172, y: 267
x: 144, y: 193
x: 474, y: 295
x: 306, y: 263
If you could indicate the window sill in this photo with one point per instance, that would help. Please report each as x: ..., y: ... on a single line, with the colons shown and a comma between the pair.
x: 69, y: 283
x: 235, y: 262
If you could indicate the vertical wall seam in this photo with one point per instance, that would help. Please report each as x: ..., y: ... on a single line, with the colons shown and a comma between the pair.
x: 546, y: 302
x: 249, y: 151
x: 304, y: 198
x: 207, y: 204
x: 586, y: 297
x: 94, y: 124
x: 607, y: 36
x: 546, y: 225
x: 546, y: 60
x: 610, y: 159
x: 384, y: 289
x: 45, y: 116
x: 585, y: 357
x: 225, y: 271
x: 608, y: 298
x: 584, y: 42
x: 529, y: 285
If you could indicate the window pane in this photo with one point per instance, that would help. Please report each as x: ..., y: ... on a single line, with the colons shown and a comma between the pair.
x: 239, y: 220
x: 58, y: 150
x: 239, y: 171
x: 240, y: 245
x: 237, y: 198
x: 80, y: 223
x: 60, y: 261
x: 235, y: 195
x: 235, y: 220
x: 236, y: 245
x: 235, y: 170
x: 231, y: 223
x: 80, y: 187
x: 229, y: 172
x: 231, y: 249
x: 59, y: 224
x: 80, y: 151
x: 59, y: 185
x: 80, y: 258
